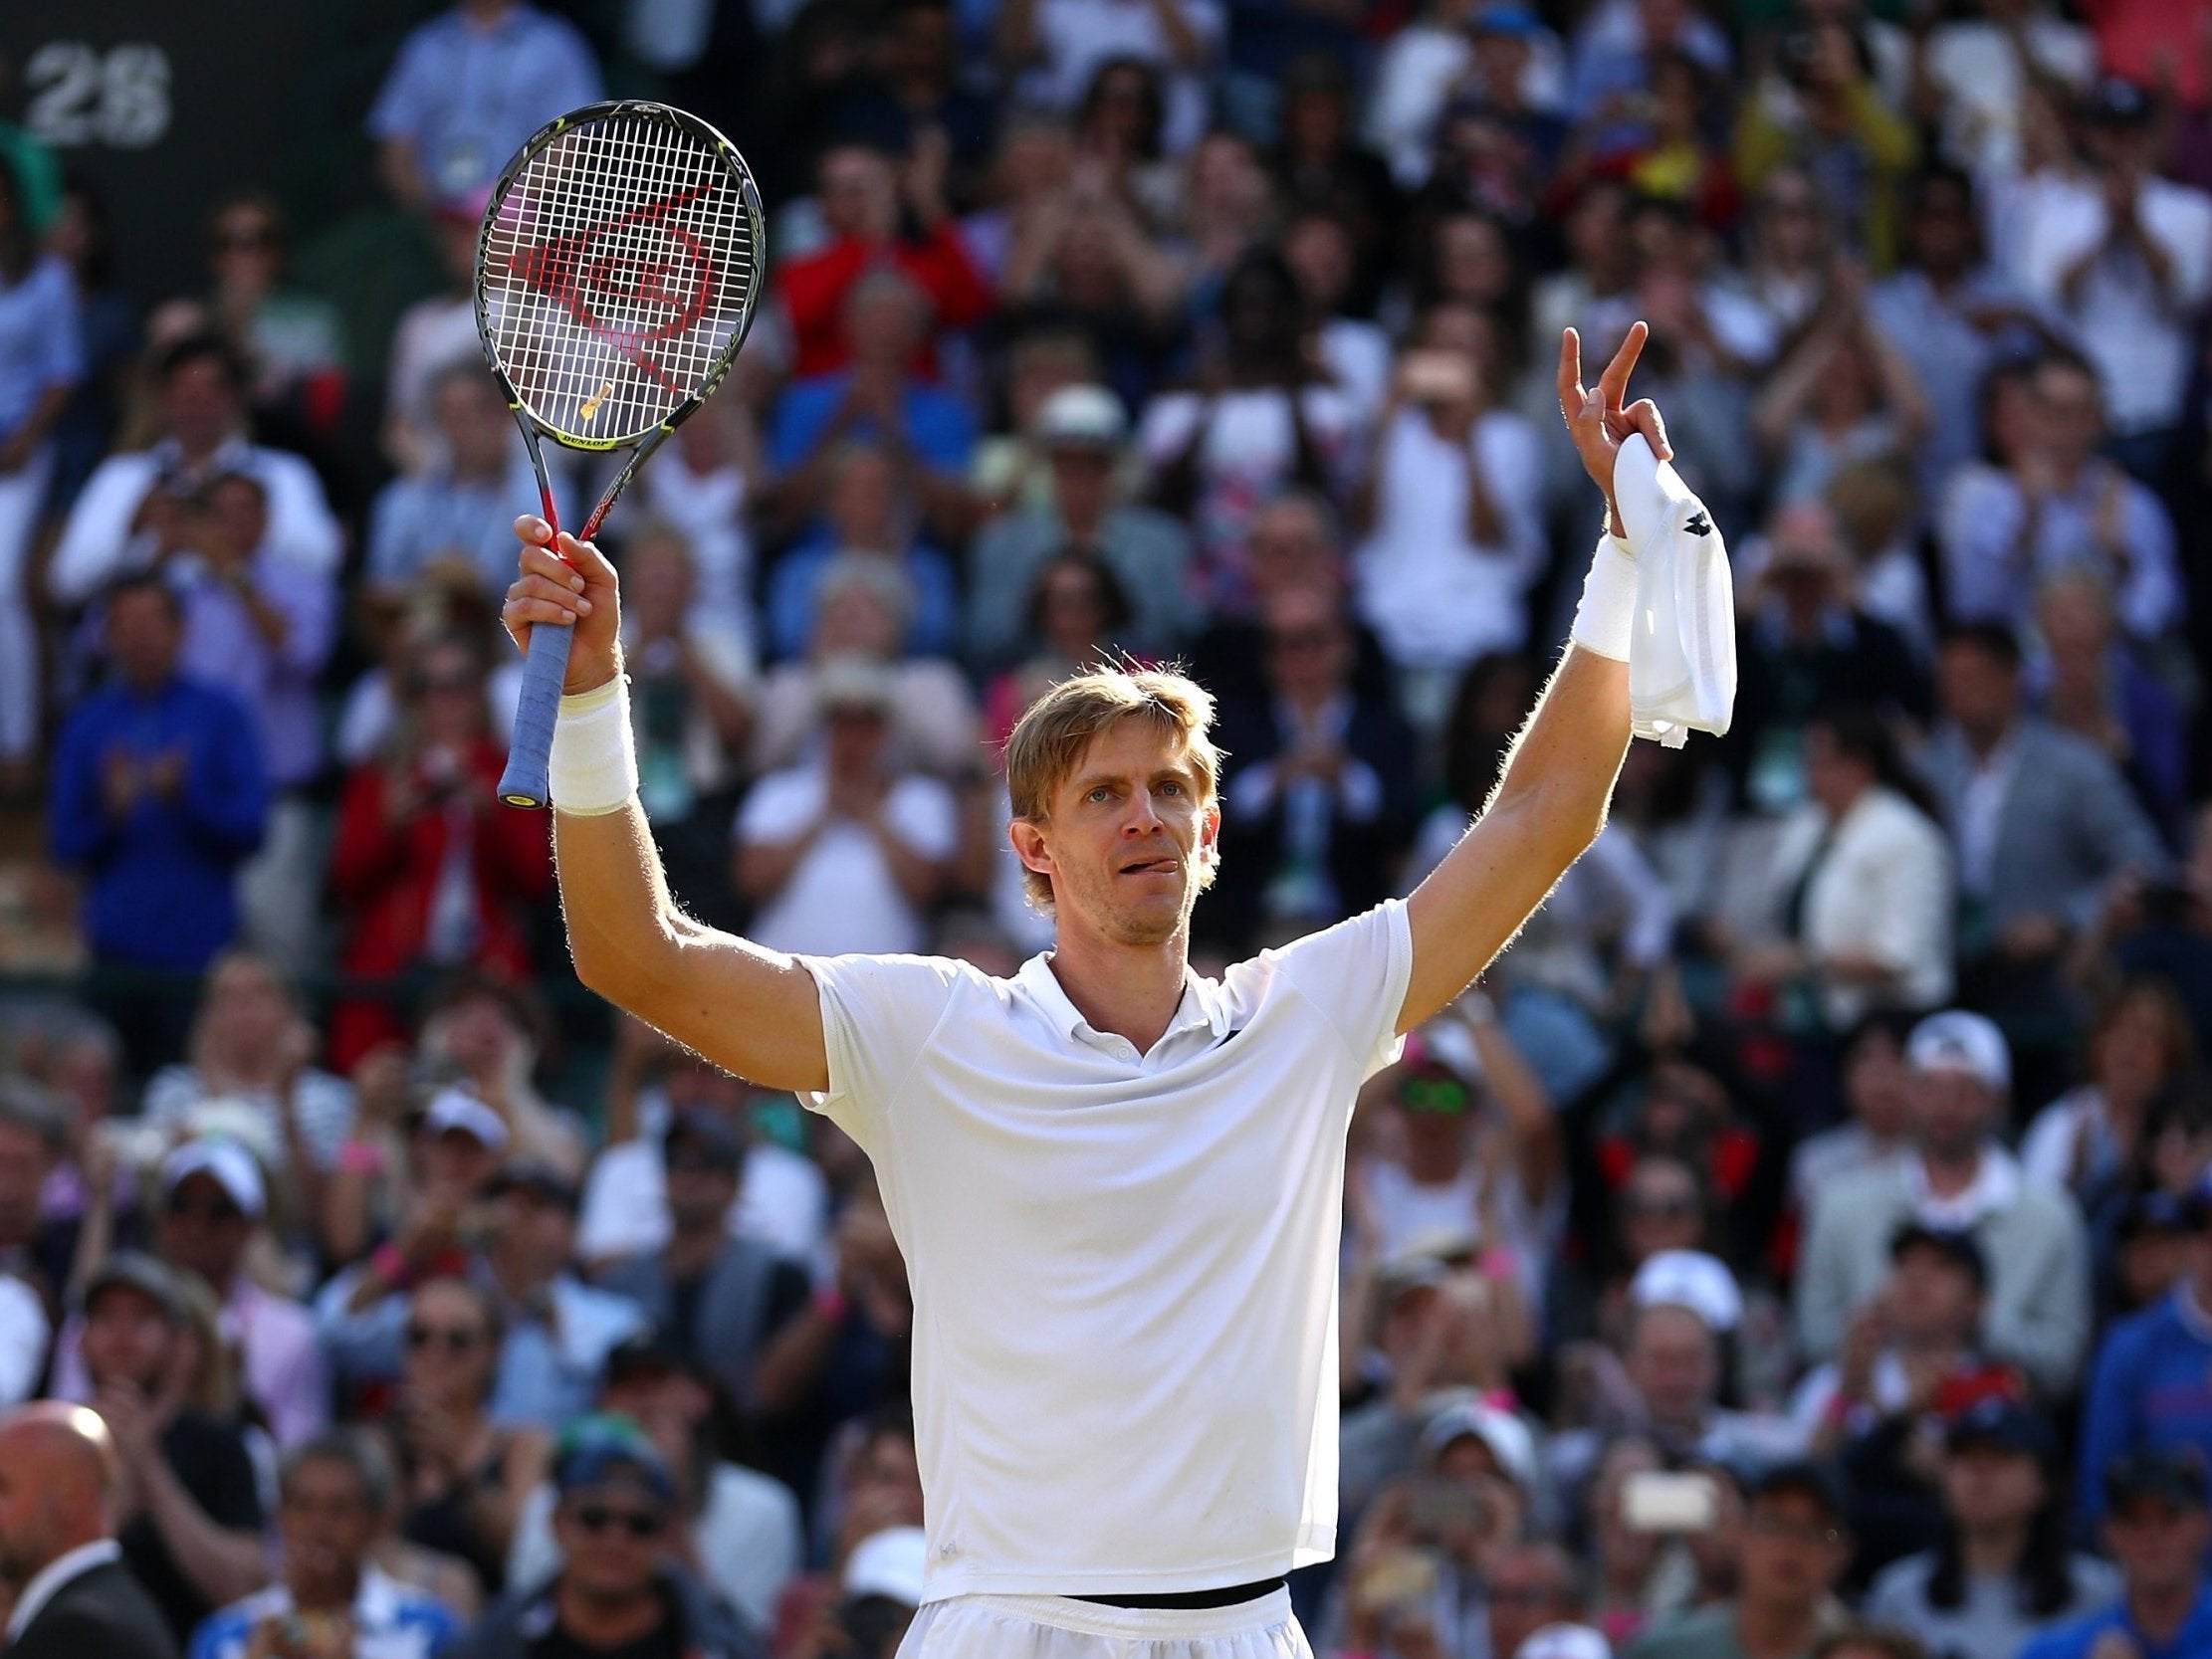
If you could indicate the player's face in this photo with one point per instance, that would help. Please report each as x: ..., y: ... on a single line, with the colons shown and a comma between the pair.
x: 1129, y: 835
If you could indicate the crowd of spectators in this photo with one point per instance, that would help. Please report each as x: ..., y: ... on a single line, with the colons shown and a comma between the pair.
x: 1800, y: 1243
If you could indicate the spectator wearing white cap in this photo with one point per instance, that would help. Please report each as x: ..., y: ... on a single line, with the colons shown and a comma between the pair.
x: 250, y: 1044
x: 848, y: 853
x: 213, y: 1203
x: 1665, y: 1384
x: 1956, y: 1178
x: 1084, y: 435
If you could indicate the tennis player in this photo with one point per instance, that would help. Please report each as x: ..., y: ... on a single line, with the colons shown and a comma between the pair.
x: 1116, y: 1186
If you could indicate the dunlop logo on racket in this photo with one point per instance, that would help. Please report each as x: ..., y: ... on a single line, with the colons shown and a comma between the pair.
x: 618, y: 271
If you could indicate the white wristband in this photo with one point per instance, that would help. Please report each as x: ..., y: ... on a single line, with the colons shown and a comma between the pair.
x: 594, y: 768
x: 1605, y: 621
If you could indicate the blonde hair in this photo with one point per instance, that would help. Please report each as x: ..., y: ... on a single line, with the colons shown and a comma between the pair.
x: 1050, y: 740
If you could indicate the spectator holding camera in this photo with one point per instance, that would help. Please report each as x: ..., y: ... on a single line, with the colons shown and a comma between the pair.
x: 1453, y: 509
x: 1796, y: 1544
x: 429, y: 872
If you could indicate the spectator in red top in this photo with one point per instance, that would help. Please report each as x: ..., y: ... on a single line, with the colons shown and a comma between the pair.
x: 860, y: 191
x: 428, y: 869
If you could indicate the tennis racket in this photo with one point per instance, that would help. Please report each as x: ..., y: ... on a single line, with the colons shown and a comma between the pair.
x: 616, y: 272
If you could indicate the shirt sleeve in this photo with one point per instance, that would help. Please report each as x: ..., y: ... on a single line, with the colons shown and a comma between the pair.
x: 399, y: 109
x: 777, y: 809
x: 877, y: 1013
x: 59, y: 363
x: 1354, y: 975
x: 924, y: 816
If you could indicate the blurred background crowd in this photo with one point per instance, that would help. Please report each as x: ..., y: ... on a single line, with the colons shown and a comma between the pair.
x: 1801, y: 1241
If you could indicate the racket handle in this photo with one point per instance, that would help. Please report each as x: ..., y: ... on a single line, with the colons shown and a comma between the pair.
x: 545, y: 669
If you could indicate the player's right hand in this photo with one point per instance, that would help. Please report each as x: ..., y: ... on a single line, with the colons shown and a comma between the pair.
x: 574, y: 588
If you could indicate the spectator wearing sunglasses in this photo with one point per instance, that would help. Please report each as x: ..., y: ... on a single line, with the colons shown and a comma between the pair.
x: 619, y: 1591
x: 462, y: 1476
x: 213, y: 1205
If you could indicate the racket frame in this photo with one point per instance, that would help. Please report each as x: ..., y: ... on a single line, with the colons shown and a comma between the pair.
x: 545, y: 664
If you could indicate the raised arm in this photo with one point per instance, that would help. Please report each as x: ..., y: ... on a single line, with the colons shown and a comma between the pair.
x: 751, y: 1010
x: 1550, y: 800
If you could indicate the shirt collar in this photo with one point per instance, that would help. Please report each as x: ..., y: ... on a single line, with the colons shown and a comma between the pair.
x: 50, y: 1578
x: 1203, y: 1003
x: 1995, y: 1184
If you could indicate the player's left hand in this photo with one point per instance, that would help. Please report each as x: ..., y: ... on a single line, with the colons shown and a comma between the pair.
x: 1596, y: 418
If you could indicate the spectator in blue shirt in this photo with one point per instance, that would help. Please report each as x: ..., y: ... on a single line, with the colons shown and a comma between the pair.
x: 463, y: 509
x: 925, y: 428
x: 868, y: 514
x: 39, y: 368
x: 467, y: 89
x: 2151, y: 1388
x: 333, y: 1494
x: 158, y: 793
x: 2158, y: 1529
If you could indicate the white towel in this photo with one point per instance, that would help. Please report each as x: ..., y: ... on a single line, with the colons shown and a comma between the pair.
x: 1683, y: 655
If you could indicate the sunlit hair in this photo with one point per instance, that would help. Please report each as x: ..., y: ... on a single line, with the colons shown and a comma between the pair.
x: 1052, y: 736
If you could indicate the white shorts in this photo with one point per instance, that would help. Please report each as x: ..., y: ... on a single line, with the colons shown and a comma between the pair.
x: 1055, y: 1627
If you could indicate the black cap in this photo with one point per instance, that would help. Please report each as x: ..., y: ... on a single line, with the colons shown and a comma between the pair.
x: 150, y: 1278
x: 647, y: 1353
x: 1808, y: 1476
x: 1956, y: 1243
x: 2161, y: 1212
x: 539, y: 1179
x: 2173, y: 1474
x: 1816, y: 1480
x: 712, y: 1133
x: 2117, y: 101
x: 2008, y: 1424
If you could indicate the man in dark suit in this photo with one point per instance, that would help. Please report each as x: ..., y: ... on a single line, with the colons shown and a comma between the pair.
x: 1317, y: 798
x: 72, y: 1596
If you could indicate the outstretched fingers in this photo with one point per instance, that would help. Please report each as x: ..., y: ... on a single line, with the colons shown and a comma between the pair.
x: 1571, y: 395
x: 1613, y: 385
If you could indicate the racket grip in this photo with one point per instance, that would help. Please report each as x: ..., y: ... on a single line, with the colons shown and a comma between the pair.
x: 545, y: 669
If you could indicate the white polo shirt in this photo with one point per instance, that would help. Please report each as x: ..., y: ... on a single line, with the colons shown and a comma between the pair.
x: 1124, y: 1266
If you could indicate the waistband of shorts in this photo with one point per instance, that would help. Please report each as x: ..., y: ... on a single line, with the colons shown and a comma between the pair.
x: 1088, y: 1618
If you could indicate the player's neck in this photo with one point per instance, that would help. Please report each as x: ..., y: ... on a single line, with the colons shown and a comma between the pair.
x: 1131, y: 990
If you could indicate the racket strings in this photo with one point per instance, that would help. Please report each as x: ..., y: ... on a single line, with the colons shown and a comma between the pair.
x: 618, y: 266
